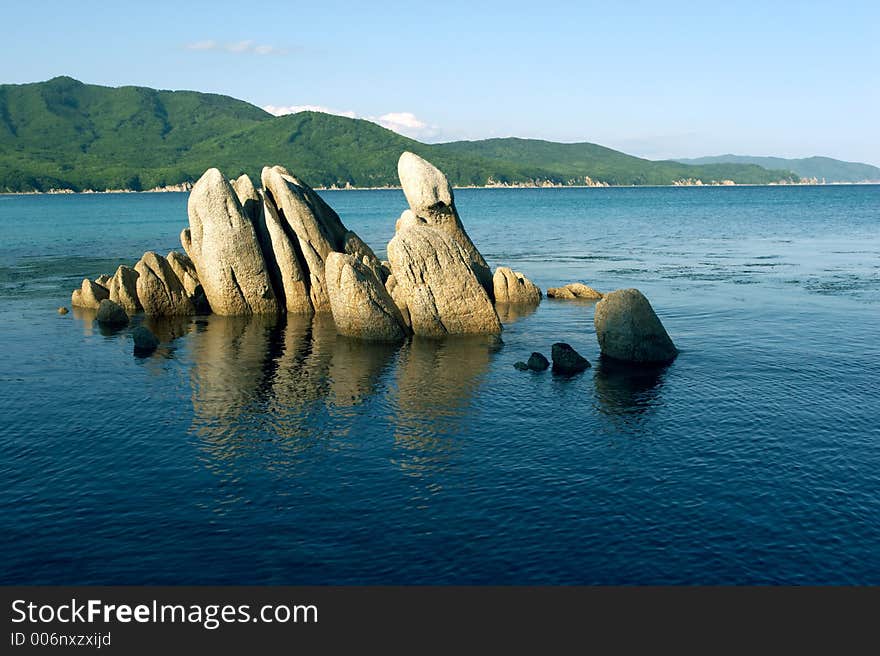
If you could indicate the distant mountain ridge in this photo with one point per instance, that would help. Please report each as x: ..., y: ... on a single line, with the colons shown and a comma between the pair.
x: 821, y: 168
x: 64, y: 134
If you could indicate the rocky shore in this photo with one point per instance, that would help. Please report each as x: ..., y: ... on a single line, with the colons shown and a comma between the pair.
x: 281, y: 248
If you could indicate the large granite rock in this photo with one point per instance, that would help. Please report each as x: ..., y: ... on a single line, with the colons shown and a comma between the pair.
x: 573, y: 290
x: 513, y: 287
x: 222, y: 243
x: 430, y: 198
x: 281, y: 251
x: 89, y: 295
x: 318, y: 229
x: 111, y: 314
x: 435, y: 286
x: 123, y: 289
x: 360, y: 304
x: 628, y: 329
x: 159, y: 290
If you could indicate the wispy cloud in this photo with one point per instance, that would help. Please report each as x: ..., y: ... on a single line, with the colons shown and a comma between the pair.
x: 246, y: 47
x: 281, y: 110
x: 405, y: 123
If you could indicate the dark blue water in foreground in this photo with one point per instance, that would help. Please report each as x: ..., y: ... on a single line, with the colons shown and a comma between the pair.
x: 261, y: 451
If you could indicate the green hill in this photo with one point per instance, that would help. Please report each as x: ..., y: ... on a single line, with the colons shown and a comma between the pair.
x: 821, y: 168
x: 66, y: 134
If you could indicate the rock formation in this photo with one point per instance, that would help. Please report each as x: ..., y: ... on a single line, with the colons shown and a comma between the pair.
x: 513, y: 287
x: 159, y: 290
x: 318, y: 229
x: 435, y: 286
x: 251, y: 203
x: 566, y: 360
x: 123, y: 289
x: 360, y: 304
x: 628, y: 329
x: 89, y: 295
x: 281, y: 252
x: 185, y: 270
x: 431, y: 200
x: 222, y: 244
x: 573, y: 290
x: 111, y: 314
x: 103, y: 280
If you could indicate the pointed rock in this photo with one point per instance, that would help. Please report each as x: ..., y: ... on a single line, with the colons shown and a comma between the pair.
x: 283, y: 259
x: 159, y: 290
x: 251, y: 203
x: 123, y: 289
x: 360, y: 304
x: 513, y: 287
x: 222, y: 243
x: 89, y: 295
x: 103, y: 280
x: 430, y: 198
x: 435, y: 283
x: 566, y: 360
x: 628, y: 329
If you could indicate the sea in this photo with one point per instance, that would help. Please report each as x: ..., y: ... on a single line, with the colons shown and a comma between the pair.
x: 269, y: 450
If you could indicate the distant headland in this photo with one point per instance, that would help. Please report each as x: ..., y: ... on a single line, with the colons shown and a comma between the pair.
x: 64, y: 136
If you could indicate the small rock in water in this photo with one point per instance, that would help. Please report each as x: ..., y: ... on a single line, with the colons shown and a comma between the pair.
x: 538, y: 362
x: 521, y: 366
x: 63, y: 310
x: 111, y: 314
x: 574, y: 290
x: 144, y: 340
x: 628, y: 329
x: 566, y: 360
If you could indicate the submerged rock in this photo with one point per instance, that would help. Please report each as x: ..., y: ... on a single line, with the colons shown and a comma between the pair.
x: 574, y: 290
x: 628, y: 329
x: 521, y: 366
x: 89, y: 295
x: 123, y: 289
x: 159, y: 290
x: 513, y: 287
x: 537, y: 362
x: 431, y: 201
x: 222, y: 243
x: 145, y: 341
x: 111, y: 314
x: 63, y: 310
x: 566, y: 360
x: 360, y: 304
x: 436, y: 286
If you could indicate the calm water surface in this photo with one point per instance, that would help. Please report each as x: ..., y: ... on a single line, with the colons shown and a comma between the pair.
x: 274, y: 451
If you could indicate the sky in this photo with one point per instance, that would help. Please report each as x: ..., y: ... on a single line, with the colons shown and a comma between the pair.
x: 654, y: 79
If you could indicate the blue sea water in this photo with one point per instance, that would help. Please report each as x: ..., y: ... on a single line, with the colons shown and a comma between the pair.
x: 264, y: 451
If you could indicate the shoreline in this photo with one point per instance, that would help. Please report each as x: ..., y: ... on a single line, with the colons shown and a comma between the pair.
x: 186, y: 188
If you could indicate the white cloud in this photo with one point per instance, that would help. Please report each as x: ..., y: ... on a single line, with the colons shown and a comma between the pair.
x: 246, y: 47
x: 281, y: 110
x: 405, y: 123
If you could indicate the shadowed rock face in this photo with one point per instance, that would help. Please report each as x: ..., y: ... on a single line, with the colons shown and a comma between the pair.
x: 89, y: 295
x: 361, y: 305
x: 123, y: 289
x: 513, y: 287
x: 251, y: 203
x: 435, y: 284
x: 159, y: 290
x: 222, y: 243
x: 286, y: 268
x: 185, y: 270
x: 430, y: 199
x: 628, y: 329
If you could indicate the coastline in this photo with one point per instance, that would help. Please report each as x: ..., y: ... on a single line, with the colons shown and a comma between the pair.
x: 186, y: 187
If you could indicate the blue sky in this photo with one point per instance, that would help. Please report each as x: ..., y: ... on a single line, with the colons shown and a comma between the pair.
x: 656, y: 79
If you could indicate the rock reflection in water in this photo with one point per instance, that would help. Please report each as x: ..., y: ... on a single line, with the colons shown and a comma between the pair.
x: 437, y: 382
x: 511, y: 312
x: 626, y: 392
